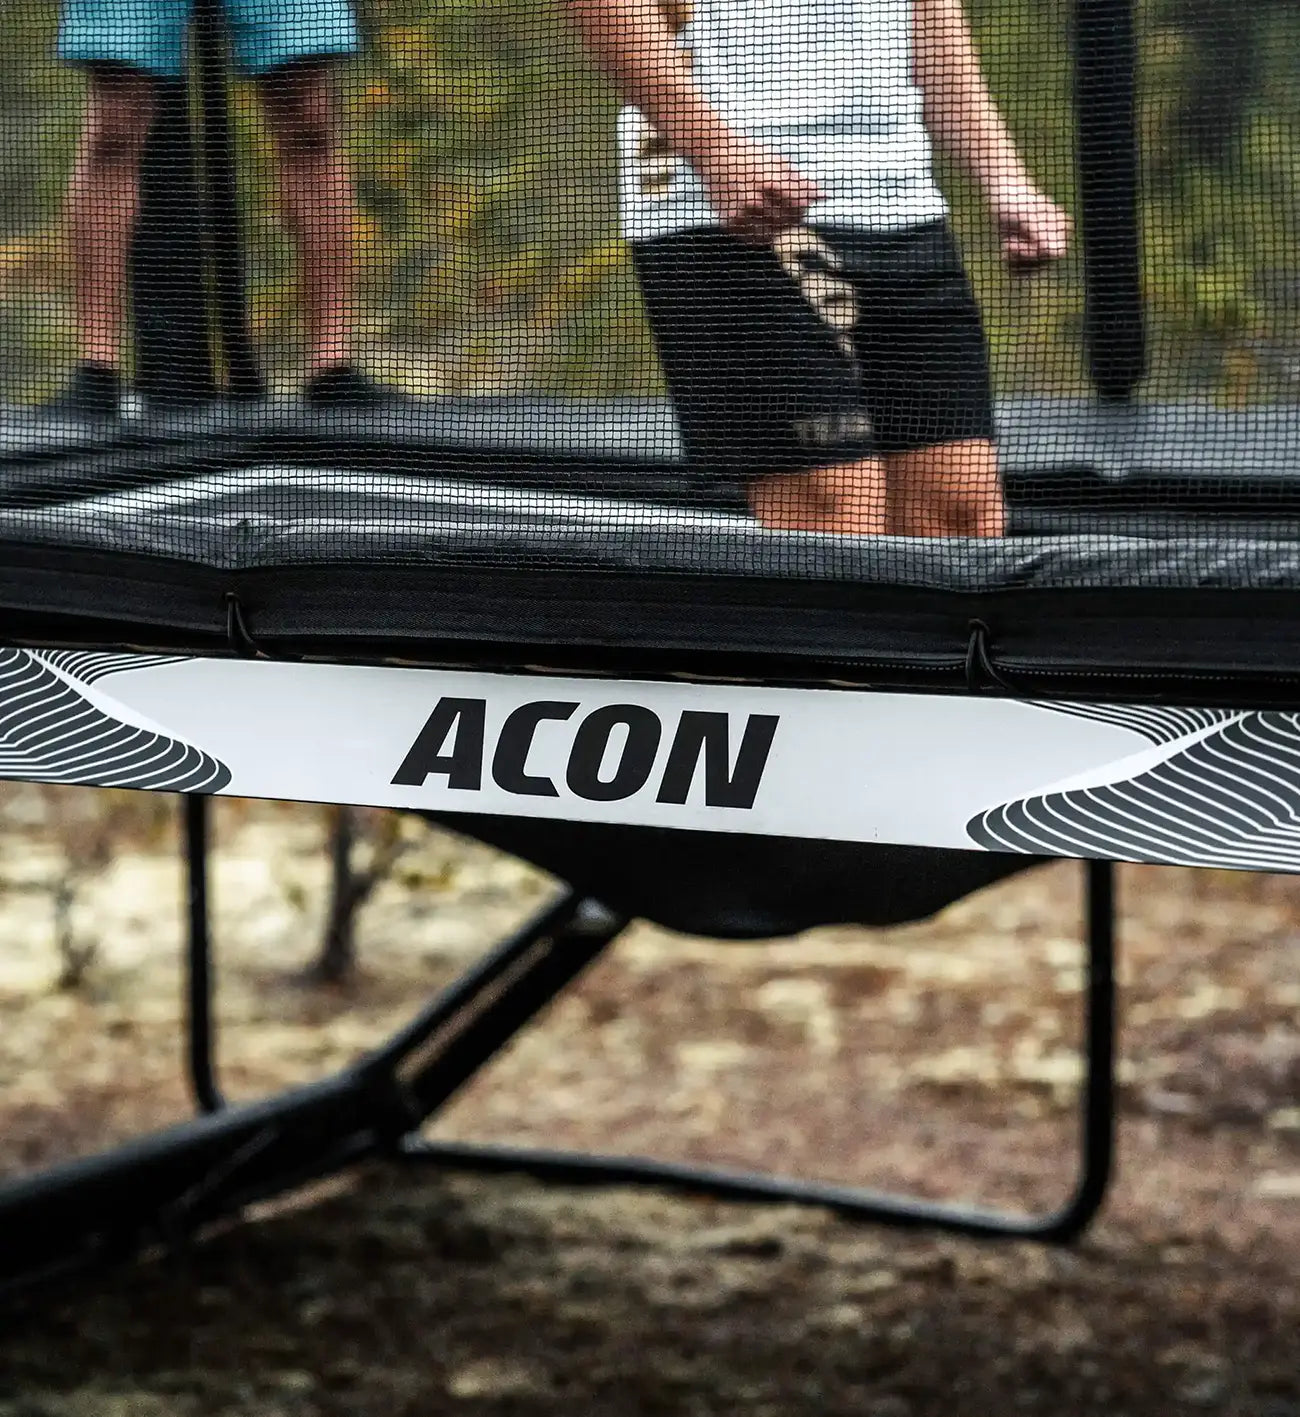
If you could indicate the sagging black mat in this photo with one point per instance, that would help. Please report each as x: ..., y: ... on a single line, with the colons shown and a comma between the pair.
x: 728, y: 886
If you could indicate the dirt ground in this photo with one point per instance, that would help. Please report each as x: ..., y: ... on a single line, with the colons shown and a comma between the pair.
x: 939, y: 1057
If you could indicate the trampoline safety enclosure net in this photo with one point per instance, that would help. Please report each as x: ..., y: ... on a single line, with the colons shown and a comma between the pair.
x: 927, y: 345
x: 768, y: 463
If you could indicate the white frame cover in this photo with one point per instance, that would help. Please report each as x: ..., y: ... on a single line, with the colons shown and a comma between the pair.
x: 1201, y: 787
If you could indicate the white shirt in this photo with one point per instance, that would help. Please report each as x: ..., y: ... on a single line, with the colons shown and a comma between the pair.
x: 826, y: 83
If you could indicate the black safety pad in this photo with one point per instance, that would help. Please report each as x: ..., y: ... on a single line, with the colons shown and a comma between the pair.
x: 491, y: 510
x: 1157, y: 549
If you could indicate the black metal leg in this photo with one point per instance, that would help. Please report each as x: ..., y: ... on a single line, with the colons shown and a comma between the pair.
x: 200, y: 1027
x: 1097, y: 1140
x: 171, y: 1184
x: 489, y: 1022
x: 168, y: 1185
x: 1096, y: 1137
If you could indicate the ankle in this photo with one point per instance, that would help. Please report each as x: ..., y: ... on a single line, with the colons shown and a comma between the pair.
x: 108, y: 364
x: 328, y: 355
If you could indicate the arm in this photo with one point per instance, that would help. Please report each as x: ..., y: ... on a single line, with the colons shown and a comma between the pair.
x: 965, y: 124
x: 634, y: 43
x: 756, y: 193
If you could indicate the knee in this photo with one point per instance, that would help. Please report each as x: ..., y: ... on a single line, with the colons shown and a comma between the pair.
x: 300, y: 113
x: 954, y: 490
x: 953, y: 511
x: 303, y: 138
x: 847, y: 498
x: 983, y: 514
x: 853, y: 496
x: 118, y: 117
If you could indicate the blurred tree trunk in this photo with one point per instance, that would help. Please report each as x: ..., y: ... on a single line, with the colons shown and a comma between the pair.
x: 351, y: 884
x: 93, y: 827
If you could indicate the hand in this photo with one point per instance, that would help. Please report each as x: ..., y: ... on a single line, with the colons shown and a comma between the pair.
x: 756, y: 192
x: 1033, y: 230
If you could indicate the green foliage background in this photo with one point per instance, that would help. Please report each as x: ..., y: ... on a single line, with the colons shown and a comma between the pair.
x: 484, y: 157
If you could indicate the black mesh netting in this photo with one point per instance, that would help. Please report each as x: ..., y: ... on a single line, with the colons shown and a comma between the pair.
x: 946, y: 294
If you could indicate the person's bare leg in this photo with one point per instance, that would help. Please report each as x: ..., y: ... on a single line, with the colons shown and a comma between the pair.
x: 847, y: 499
x: 950, y: 490
x: 102, y: 204
x: 318, y: 204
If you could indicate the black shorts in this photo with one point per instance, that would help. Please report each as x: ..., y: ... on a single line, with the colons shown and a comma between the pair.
x: 836, y: 345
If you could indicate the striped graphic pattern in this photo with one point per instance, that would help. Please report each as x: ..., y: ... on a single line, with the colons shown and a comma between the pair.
x: 1155, y: 724
x: 50, y: 733
x: 1231, y: 798
x: 89, y: 665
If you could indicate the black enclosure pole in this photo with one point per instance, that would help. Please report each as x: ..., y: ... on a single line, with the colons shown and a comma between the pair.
x: 201, y: 1030
x: 1105, y: 99
x: 243, y: 378
x: 173, y: 349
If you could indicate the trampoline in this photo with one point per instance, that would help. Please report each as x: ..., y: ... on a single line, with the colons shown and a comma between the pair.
x: 538, y: 618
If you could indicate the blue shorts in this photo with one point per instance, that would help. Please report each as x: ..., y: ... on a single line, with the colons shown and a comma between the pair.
x: 150, y: 34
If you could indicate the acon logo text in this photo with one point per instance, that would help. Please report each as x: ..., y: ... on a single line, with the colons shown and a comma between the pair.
x: 608, y: 755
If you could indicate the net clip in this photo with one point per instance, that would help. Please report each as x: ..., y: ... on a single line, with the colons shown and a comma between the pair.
x: 237, y: 632
x: 981, y: 672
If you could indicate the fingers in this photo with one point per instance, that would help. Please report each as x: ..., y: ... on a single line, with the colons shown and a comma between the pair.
x: 1053, y: 236
x: 1033, y: 240
x: 1024, y: 250
x: 774, y: 208
x: 767, y: 217
x: 1023, y: 265
x: 756, y: 193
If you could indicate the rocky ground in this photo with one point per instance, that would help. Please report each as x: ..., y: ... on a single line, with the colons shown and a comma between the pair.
x: 938, y: 1057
